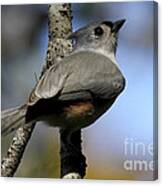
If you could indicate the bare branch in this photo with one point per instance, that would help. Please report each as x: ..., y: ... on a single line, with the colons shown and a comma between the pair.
x: 59, y: 24
x: 15, y: 152
x: 73, y: 164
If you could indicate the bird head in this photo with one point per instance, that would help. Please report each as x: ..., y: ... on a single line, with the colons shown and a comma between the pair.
x: 98, y: 36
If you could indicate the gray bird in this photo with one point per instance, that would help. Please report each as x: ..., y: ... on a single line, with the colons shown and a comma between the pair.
x: 82, y: 87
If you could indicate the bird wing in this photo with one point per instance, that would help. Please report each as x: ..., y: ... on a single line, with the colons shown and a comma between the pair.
x: 79, y: 76
x: 93, y: 75
x: 49, y: 85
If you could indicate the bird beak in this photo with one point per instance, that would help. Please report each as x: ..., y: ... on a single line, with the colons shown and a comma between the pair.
x: 117, y: 25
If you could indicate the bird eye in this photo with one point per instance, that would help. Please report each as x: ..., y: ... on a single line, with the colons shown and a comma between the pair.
x: 98, y: 31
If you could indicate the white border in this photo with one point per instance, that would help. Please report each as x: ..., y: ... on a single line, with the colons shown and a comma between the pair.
x: 52, y: 182
x: 58, y: 1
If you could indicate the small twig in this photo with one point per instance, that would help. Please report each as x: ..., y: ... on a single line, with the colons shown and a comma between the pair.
x: 36, y: 77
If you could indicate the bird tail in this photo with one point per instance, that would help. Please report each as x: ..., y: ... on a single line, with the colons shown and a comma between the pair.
x: 12, y: 119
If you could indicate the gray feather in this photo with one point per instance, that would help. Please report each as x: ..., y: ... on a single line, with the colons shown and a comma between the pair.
x: 49, y: 85
x: 91, y: 73
x: 12, y: 119
x: 79, y: 76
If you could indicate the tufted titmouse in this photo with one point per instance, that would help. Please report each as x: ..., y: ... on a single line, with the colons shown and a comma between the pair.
x: 77, y: 91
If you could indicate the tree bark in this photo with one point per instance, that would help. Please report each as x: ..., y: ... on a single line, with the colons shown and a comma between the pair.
x: 73, y: 163
x: 16, y: 150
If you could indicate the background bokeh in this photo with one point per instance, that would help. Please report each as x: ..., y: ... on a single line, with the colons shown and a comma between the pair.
x: 24, y: 43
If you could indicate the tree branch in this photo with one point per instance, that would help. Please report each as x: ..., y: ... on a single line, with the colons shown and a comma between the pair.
x: 59, y: 24
x: 72, y: 165
x: 15, y: 152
